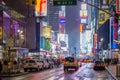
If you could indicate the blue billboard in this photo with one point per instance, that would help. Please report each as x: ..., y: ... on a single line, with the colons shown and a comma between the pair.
x: 42, y: 42
x: 113, y: 34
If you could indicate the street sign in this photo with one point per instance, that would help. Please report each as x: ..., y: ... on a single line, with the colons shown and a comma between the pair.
x: 64, y: 2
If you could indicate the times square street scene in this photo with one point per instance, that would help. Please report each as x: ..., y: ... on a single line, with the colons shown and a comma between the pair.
x: 59, y: 39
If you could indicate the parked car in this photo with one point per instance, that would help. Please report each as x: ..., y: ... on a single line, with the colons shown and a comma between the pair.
x: 70, y: 62
x: 33, y: 64
x: 99, y: 65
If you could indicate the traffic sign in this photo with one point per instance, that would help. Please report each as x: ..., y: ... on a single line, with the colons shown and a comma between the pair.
x: 64, y: 2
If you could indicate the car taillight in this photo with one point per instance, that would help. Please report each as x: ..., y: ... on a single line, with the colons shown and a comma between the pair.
x: 64, y: 62
x: 104, y: 64
x: 94, y: 64
x: 74, y: 62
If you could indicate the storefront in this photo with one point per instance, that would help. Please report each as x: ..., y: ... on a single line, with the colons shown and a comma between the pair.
x: 12, y: 34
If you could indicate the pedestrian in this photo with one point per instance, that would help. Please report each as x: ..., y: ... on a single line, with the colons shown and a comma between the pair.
x: 1, y: 66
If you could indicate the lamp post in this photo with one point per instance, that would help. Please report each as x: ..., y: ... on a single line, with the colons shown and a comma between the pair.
x: 101, y: 48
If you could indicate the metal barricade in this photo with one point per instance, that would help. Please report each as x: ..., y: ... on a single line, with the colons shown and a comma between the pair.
x: 118, y: 70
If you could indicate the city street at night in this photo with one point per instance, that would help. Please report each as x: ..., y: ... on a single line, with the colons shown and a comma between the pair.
x: 59, y: 39
x: 85, y: 72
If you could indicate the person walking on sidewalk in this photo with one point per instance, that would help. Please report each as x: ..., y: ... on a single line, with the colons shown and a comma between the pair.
x: 0, y: 66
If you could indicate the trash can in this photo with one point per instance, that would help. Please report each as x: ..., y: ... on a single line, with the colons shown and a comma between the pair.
x: 118, y: 70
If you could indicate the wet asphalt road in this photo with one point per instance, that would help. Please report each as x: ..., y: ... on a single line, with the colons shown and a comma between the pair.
x: 85, y: 72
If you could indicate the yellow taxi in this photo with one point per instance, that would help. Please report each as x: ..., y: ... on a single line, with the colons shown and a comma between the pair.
x: 70, y: 62
x: 87, y: 60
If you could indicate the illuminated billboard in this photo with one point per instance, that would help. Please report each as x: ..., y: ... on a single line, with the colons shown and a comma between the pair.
x: 95, y: 42
x: 83, y: 13
x: 83, y: 20
x: 83, y: 6
x: 62, y: 12
x: 46, y: 31
x: 103, y: 16
x: 118, y: 6
x: 63, y: 40
x: 1, y: 27
x: 81, y: 27
x: 41, y: 8
x: 104, y: 4
x: 113, y: 33
x: 119, y: 32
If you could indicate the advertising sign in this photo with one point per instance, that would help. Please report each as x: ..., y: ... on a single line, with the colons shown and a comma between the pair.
x: 118, y: 6
x: 103, y: 16
x: 47, y: 44
x: 62, y: 12
x: 83, y: 6
x: 41, y: 8
x: 83, y: 13
x: 115, y: 31
x: 113, y: 35
x: 1, y: 26
x: 104, y: 4
x: 84, y: 0
x: 81, y: 27
x: 62, y: 21
x: 119, y: 32
x: 83, y: 20
x: 46, y: 31
x: 63, y: 41
x: 95, y: 42
x: 42, y: 42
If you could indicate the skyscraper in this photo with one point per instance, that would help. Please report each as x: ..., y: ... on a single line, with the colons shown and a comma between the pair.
x: 53, y: 15
x: 72, y: 27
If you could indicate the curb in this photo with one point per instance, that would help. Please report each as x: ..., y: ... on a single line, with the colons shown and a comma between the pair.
x: 111, y: 74
x: 13, y: 75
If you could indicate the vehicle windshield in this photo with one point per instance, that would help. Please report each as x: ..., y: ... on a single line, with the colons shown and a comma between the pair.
x: 97, y: 62
x: 70, y: 59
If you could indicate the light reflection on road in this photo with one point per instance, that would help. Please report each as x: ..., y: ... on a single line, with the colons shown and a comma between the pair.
x: 85, y: 72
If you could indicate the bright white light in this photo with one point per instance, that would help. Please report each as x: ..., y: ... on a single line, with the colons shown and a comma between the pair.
x: 18, y: 30
x: 21, y: 31
x: 101, y: 39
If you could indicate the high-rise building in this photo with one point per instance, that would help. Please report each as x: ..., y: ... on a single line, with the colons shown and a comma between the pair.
x: 53, y: 15
x: 72, y: 28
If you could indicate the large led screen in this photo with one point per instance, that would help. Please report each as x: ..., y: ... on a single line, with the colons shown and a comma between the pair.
x: 41, y: 8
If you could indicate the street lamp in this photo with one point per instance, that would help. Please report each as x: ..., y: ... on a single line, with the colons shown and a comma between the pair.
x: 101, y: 39
x: 100, y: 46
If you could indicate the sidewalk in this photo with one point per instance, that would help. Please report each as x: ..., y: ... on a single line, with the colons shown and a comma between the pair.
x: 112, y: 70
x: 13, y: 74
